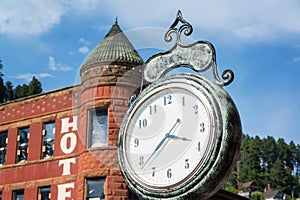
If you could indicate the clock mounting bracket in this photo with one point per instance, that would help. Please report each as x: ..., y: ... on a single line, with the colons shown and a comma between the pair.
x: 199, y: 56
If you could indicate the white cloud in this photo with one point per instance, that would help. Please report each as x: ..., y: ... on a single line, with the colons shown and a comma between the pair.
x: 52, y: 65
x: 295, y: 60
x: 84, y: 50
x: 255, y: 31
x: 83, y: 6
x: 252, y: 19
x: 28, y: 76
x: 29, y: 16
x: 36, y: 17
x: 83, y: 41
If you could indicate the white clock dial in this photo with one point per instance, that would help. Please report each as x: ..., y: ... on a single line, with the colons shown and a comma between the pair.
x: 169, y: 136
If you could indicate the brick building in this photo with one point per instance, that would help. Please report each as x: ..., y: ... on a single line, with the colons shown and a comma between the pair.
x: 63, y: 144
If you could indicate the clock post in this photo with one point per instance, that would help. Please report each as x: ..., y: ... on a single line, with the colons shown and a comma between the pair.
x: 181, y: 136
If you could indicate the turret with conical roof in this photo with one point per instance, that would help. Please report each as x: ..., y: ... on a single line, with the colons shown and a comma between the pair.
x: 114, y: 50
x: 109, y: 76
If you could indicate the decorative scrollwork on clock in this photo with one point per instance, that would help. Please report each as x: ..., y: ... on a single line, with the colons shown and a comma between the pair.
x: 185, y: 26
x: 199, y: 56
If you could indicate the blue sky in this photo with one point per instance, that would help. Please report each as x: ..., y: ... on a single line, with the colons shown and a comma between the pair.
x: 258, y: 39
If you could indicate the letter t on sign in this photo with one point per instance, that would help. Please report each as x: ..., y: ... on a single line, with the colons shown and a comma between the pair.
x: 67, y: 165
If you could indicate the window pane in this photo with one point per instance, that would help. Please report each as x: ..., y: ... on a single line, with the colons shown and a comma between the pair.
x: 48, y: 139
x: 0, y: 195
x: 95, y: 188
x: 3, y: 138
x: 98, y: 128
x: 18, y: 195
x: 44, y: 193
x: 22, y: 144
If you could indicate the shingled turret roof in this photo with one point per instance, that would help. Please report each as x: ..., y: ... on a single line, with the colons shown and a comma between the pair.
x: 115, y: 48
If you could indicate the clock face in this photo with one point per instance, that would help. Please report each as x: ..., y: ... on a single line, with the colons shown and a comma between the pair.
x: 169, y: 136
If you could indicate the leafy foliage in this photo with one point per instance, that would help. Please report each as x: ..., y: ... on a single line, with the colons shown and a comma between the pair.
x: 8, y: 93
x: 267, y: 161
x: 257, y: 196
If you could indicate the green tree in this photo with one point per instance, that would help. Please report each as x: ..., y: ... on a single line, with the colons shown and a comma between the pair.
x: 267, y: 161
x: 281, y: 177
x: 269, y: 154
x: 9, y: 91
x: 297, y: 167
x: 2, y: 90
x: 34, y: 87
x: 243, y: 168
x: 1, y: 67
x: 231, y: 183
x: 21, y: 91
x: 229, y: 187
x: 257, y: 196
x: 282, y: 150
x: 255, y: 169
x: 2, y: 87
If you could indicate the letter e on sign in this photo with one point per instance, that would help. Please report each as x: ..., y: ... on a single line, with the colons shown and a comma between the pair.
x: 62, y: 191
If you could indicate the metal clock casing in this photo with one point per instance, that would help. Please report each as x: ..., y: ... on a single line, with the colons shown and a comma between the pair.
x: 215, y: 162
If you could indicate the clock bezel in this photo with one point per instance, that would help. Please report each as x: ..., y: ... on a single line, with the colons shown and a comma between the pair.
x: 215, y: 165
x: 207, y: 103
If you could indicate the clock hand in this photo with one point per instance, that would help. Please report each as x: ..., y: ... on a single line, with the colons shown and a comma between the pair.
x: 179, y: 138
x: 177, y: 121
x: 174, y: 136
x: 161, y: 142
x: 155, y: 150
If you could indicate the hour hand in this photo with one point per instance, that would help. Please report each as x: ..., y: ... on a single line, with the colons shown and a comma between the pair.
x: 178, y: 138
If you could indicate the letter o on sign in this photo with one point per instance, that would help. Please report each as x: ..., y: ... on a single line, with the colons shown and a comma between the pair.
x: 72, y: 142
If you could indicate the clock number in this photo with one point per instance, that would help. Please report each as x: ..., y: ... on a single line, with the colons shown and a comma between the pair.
x: 142, y: 123
x: 153, y: 109
x: 136, y: 142
x: 199, y: 146
x: 169, y: 173
x: 153, y: 171
x: 195, y: 109
x: 167, y: 99
x: 202, y: 128
x: 183, y: 101
x: 187, y: 164
x: 141, y: 163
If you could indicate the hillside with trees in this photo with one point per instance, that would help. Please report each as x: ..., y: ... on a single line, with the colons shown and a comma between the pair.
x: 267, y: 161
x: 9, y: 93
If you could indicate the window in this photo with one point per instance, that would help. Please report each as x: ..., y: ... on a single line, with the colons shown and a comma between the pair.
x: 48, y: 139
x: 22, y: 145
x: 98, y: 128
x: 44, y: 193
x: 3, y: 143
x: 0, y: 195
x: 95, y: 189
x: 18, y: 195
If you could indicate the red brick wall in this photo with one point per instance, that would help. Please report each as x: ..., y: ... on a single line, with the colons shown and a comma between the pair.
x: 35, y: 107
x: 35, y: 141
x: 71, y: 165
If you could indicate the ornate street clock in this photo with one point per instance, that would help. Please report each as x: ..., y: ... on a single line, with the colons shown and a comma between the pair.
x: 181, y: 135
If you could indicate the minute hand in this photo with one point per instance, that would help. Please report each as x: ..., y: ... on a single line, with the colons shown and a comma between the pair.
x: 161, y: 143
